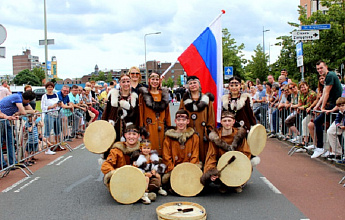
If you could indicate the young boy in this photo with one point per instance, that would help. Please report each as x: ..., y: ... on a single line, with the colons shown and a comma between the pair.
x: 148, y: 162
x: 337, y: 128
x: 32, y: 142
x: 180, y: 144
x: 226, y: 138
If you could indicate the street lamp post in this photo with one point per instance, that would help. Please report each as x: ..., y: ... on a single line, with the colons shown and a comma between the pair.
x: 45, y: 41
x: 263, y: 39
x: 146, y: 74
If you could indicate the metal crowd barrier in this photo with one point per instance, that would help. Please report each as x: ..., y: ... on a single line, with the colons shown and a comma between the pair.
x: 273, y: 118
x: 22, y: 139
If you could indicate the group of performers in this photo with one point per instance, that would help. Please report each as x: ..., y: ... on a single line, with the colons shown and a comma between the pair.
x: 145, y: 139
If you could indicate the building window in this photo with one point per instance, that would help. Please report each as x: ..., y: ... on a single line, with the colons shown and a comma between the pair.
x: 172, y: 71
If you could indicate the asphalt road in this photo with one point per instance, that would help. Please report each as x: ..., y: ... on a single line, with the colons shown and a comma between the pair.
x: 71, y: 187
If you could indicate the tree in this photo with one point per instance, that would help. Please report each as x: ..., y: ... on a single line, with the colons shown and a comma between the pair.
x: 26, y: 77
x: 169, y: 83
x: 39, y: 72
x: 232, y: 54
x: 257, y: 67
x: 109, y: 77
x: 331, y: 45
x: 101, y: 76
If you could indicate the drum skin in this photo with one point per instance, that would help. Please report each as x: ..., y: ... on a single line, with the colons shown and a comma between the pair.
x: 185, y: 179
x: 236, y: 173
x: 127, y: 184
x: 170, y: 211
x: 257, y: 138
x: 99, y: 136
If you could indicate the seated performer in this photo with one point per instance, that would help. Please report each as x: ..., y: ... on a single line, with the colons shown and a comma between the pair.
x: 148, y: 162
x: 120, y: 154
x: 226, y: 138
x: 180, y: 144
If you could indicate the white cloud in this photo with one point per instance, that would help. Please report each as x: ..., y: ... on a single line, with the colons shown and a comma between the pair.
x: 111, y: 33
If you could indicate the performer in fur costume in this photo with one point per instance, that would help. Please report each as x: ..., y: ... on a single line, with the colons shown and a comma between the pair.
x: 201, y: 112
x: 154, y: 111
x: 120, y: 154
x: 148, y: 162
x: 180, y: 144
x: 240, y: 104
x: 227, y: 138
x: 121, y: 107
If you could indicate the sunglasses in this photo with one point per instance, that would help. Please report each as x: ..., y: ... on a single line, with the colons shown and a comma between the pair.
x: 135, y: 73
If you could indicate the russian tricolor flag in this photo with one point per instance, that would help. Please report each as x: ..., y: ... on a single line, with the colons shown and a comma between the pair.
x: 204, y: 59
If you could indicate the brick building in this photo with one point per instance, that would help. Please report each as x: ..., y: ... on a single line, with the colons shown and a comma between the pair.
x: 313, y: 6
x: 24, y: 61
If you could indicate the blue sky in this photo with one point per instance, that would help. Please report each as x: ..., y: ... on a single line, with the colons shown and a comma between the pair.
x: 110, y: 33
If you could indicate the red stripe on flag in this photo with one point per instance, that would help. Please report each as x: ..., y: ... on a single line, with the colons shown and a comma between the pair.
x: 194, y: 65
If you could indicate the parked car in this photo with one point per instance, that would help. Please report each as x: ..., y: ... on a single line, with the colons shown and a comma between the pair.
x: 39, y: 93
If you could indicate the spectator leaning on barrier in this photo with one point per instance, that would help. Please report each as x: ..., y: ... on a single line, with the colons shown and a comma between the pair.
x: 262, y: 102
x: 337, y: 128
x: 290, y: 120
x: 331, y: 93
x: 10, y: 105
x: 77, y: 114
x: 306, y: 98
x: 66, y: 112
x: 5, y: 90
x: 3, y: 164
x: 33, y: 102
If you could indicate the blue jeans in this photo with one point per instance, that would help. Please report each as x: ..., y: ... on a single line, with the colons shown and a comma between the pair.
x: 318, y: 123
x: 274, y: 120
x: 51, y: 122
x: 7, y: 135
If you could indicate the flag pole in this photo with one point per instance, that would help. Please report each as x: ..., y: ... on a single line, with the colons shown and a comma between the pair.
x: 167, y: 70
x: 223, y: 12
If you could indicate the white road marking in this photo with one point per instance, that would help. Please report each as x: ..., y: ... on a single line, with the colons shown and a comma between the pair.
x: 270, y: 185
x: 15, y: 184
x: 56, y: 160
x: 79, y: 147
x: 83, y: 148
x: 27, y: 184
x: 58, y: 164
x: 69, y: 189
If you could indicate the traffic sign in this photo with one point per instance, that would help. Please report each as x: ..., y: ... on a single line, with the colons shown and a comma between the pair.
x: 228, y: 72
x: 299, y: 61
x: 299, y: 49
x: 306, y: 35
x: 316, y: 27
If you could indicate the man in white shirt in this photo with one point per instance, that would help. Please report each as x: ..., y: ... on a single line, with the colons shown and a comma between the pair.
x: 4, y: 90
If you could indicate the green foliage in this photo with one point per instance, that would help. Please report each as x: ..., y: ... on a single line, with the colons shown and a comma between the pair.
x: 169, y: 83
x: 257, y: 67
x: 26, y: 77
x: 232, y: 54
x: 109, y: 77
x: 331, y: 46
x: 39, y: 72
x: 101, y: 76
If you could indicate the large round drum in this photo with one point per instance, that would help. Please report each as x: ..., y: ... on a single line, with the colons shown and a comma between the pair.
x: 127, y: 184
x: 99, y: 136
x: 185, y: 179
x: 180, y: 210
x: 237, y: 172
x: 257, y: 138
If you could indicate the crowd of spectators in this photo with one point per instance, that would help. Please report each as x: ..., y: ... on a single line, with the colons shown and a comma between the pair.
x: 64, y: 116
x: 296, y: 113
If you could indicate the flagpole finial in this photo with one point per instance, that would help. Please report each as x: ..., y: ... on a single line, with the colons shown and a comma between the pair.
x: 223, y: 11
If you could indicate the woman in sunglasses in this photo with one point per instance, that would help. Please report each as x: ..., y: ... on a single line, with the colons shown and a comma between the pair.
x: 239, y: 103
x: 135, y: 75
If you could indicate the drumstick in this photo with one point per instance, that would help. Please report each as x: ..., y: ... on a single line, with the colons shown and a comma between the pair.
x: 232, y: 159
x: 182, y: 210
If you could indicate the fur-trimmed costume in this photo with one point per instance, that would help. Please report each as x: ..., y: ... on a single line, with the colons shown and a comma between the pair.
x: 201, y: 115
x: 119, y: 156
x: 154, y: 116
x: 146, y: 166
x: 121, y: 110
x: 242, y: 107
x: 180, y: 147
x: 219, y: 145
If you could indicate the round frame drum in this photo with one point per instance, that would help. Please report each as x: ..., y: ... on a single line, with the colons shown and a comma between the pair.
x: 236, y: 173
x: 127, y: 184
x: 257, y: 138
x: 180, y: 210
x: 99, y: 136
x: 185, y: 179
